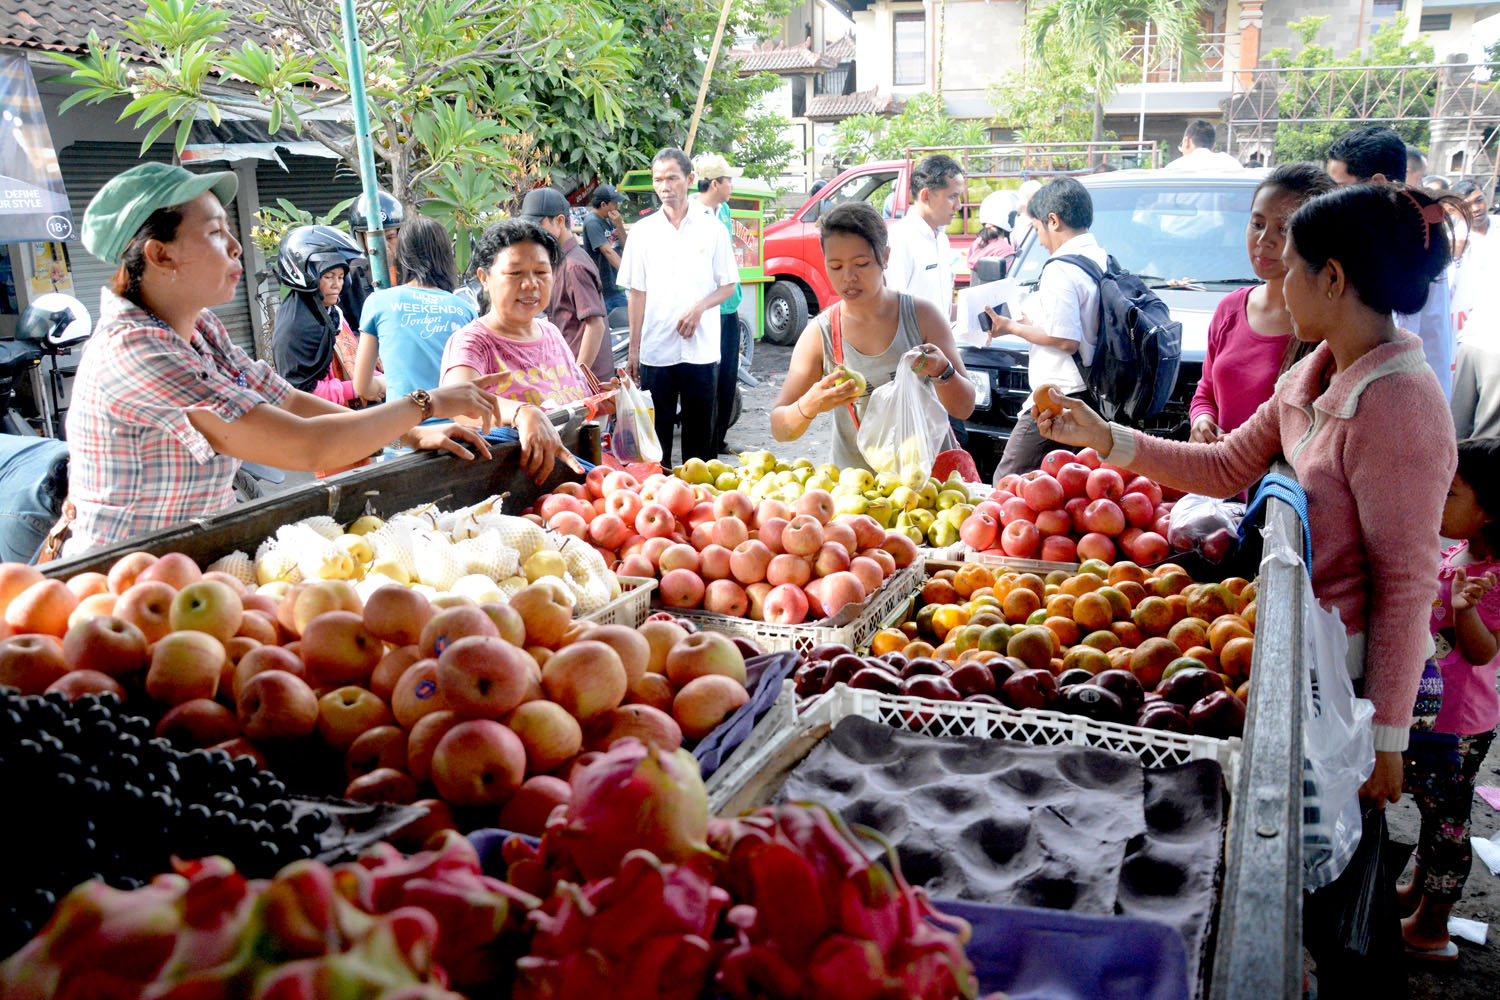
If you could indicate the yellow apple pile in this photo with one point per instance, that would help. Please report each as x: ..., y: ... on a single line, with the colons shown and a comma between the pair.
x: 929, y: 512
x: 461, y: 702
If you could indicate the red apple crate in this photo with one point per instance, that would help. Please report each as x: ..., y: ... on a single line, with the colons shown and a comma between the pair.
x: 630, y: 609
x: 966, y: 718
x: 854, y: 626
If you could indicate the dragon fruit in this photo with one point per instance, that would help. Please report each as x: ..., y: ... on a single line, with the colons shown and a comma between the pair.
x: 632, y: 796
x: 645, y: 933
x: 817, y: 919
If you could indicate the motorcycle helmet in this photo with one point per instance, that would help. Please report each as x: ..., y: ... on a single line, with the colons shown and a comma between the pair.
x: 998, y: 209
x: 55, y: 319
x: 390, y: 212
x: 309, y: 252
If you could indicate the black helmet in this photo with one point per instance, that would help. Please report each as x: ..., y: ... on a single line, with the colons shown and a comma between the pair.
x: 309, y: 252
x: 390, y: 212
x: 56, y: 319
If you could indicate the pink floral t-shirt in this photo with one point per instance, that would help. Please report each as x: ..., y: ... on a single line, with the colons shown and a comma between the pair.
x: 1470, y: 702
x: 541, y: 371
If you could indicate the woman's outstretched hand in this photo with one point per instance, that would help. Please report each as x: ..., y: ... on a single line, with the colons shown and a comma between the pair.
x: 1070, y: 421
x: 474, y: 400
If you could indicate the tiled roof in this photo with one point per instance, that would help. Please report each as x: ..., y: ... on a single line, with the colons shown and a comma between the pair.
x: 773, y: 58
x: 841, y: 50
x: 63, y: 25
x: 832, y: 107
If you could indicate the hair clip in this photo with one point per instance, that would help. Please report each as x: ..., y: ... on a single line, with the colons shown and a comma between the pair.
x: 1432, y: 215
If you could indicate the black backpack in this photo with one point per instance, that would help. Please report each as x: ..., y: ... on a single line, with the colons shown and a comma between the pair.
x: 1139, y: 348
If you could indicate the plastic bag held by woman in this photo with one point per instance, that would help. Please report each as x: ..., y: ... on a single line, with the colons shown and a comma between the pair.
x: 905, y: 425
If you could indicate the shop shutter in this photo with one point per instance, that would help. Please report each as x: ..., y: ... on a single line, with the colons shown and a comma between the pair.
x: 314, y: 184
x: 86, y: 166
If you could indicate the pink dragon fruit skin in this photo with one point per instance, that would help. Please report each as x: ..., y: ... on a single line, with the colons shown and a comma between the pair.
x: 644, y: 933
x: 631, y: 797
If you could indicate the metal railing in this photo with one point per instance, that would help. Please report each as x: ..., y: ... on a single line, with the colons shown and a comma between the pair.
x: 1155, y: 63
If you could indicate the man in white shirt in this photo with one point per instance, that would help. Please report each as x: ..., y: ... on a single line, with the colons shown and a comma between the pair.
x: 1197, y: 148
x: 678, y: 267
x: 921, y: 261
x: 1061, y: 317
x: 1374, y: 155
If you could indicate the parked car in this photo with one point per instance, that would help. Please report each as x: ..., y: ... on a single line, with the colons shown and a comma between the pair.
x: 794, y: 255
x: 1183, y: 233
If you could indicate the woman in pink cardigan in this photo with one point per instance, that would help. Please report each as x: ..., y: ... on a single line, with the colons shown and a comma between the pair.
x: 1365, y: 425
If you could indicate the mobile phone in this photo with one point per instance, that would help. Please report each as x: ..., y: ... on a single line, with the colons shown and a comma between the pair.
x: 1003, y: 309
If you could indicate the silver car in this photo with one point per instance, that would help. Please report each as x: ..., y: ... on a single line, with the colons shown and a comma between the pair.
x: 1184, y: 233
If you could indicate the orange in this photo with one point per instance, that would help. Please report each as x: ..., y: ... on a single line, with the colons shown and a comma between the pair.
x: 986, y: 655
x: 1188, y: 633
x: 1235, y: 584
x: 1093, y: 611
x: 1057, y: 576
x: 1236, y: 655
x: 1119, y: 604
x: 1126, y: 571
x: 1227, y: 627
x: 1060, y: 604
x: 1248, y: 613
x: 1172, y: 583
x: 887, y: 640
x: 1204, y: 655
x: 1162, y: 569
x: 1245, y: 596
x: 1153, y: 616
x: 1102, y: 640
x: 1036, y: 617
x: 912, y: 650
x: 971, y: 577
x: 1128, y: 633
x: 910, y: 630
x: 947, y: 652
x: 947, y: 618
x: 1210, y: 601
x: 1178, y: 604
x: 1033, y: 583
x: 1083, y: 583
x: 1119, y: 658
x: 1243, y: 692
x: 1134, y: 592
x: 1020, y: 603
x: 1065, y: 629
x: 1033, y: 646
x: 966, y: 636
x: 1051, y: 590
x: 939, y: 591
x: 1150, y: 659
x: 946, y: 574
x: 987, y: 616
x: 1055, y: 666
x: 985, y: 592
x: 1093, y: 660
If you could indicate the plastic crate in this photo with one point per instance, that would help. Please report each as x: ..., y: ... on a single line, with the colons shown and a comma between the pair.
x: 629, y: 609
x: 1040, y: 567
x: 945, y: 553
x: 854, y: 626
x: 781, y: 718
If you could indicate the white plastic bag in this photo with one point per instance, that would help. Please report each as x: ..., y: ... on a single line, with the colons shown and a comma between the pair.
x: 1337, y: 741
x: 633, y: 438
x: 905, y: 426
x: 1205, y: 524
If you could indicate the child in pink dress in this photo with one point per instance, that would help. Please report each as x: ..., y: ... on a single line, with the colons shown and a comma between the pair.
x: 1466, y: 633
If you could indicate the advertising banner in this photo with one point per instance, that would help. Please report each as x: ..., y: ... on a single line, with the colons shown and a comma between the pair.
x: 33, y: 203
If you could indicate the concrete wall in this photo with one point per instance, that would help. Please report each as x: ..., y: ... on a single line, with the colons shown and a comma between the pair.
x: 984, y: 41
x: 1347, y: 27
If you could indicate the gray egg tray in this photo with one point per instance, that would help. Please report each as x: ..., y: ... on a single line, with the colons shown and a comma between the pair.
x: 1061, y: 827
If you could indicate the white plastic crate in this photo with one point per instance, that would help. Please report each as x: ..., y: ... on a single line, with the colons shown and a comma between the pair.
x: 946, y: 553
x: 1040, y: 567
x: 854, y: 626
x: 781, y: 718
x: 963, y: 718
x: 631, y: 608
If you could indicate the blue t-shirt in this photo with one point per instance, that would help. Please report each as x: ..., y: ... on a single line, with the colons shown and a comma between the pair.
x: 413, y: 326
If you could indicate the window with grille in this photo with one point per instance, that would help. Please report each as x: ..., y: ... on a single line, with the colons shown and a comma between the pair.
x: 910, y: 48
x: 1436, y: 22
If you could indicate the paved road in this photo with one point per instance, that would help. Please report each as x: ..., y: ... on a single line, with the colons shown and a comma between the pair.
x: 753, y: 431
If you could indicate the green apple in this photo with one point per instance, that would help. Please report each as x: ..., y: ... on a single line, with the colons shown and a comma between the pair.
x: 880, y: 509
x: 726, y: 480
x: 859, y: 479
x: 921, y: 517
x: 943, y: 533
x: 903, y: 498
x: 947, y: 498
x: 849, y: 503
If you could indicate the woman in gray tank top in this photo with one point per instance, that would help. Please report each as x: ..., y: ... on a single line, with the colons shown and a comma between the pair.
x: 876, y: 326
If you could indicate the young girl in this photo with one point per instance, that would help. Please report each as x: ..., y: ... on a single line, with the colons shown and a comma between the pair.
x: 1465, y: 620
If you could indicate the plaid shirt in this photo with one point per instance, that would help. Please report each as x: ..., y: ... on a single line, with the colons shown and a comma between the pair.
x: 137, y: 463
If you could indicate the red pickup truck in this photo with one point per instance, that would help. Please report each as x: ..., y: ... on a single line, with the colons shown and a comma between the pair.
x: 794, y: 257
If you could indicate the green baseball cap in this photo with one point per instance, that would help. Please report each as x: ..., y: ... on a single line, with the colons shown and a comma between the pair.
x: 124, y: 204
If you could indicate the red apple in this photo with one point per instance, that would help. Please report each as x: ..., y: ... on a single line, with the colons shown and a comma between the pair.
x: 1104, y: 517
x: 609, y: 531
x: 338, y: 649
x: 729, y: 532
x: 769, y: 508
x: 620, y: 480
x: 198, y: 722
x: 831, y: 558
x: 107, y: 644
x: 1042, y: 493
x: 980, y: 528
x: 423, y: 740
x: 277, y: 705
x: 681, y: 588
x: 837, y: 590
x: 174, y: 569
x: 478, y: 763
x: 1074, y: 479
x: 1105, y: 483
x: 76, y: 683
x: 1150, y: 548
x: 452, y: 624
x: 42, y: 607
x: 902, y: 549
x: 397, y: 614
x: 483, y: 677
x: 750, y: 560
x: 185, y: 665
x: 705, y: 702
x: 1089, y: 457
x: 803, y: 536
x: 655, y: 521
x: 1055, y: 460
x: 677, y: 496
x: 528, y: 810
x: 770, y: 531
x: 207, y: 606
x: 148, y: 606
x: 384, y: 784
x: 680, y: 556
x: 125, y: 571
x: 31, y: 663
x: 16, y: 577
x: 625, y: 505
x: 725, y: 597
x: 91, y: 606
x: 1020, y: 539
x: 313, y: 599
x: 636, y: 564
x: 1016, y: 509
x: 870, y: 573
x: 1146, y: 487
x: 88, y: 584
x: 1138, y: 509
x: 786, y: 605
x: 1096, y: 546
x: 550, y: 734
x: 347, y: 713
x: 377, y: 747
x: 733, y: 503
x: 756, y: 595
x: 815, y: 503
x: 1059, y: 548
x: 886, y: 561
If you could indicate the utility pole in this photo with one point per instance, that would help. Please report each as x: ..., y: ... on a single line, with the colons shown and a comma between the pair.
x: 354, y: 57
x: 708, y: 75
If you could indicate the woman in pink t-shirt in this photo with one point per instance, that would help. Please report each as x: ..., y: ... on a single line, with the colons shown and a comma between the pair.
x: 1250, y: 337
x: 514, y: 261
x: 1466, y: 633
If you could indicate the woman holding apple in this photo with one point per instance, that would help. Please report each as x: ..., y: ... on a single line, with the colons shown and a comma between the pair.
x: 1360, y: 414
x: 165, y: 406
x: 866, y: 332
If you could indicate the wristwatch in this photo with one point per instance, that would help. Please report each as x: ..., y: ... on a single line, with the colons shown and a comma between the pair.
x: 949, y: 373
x: 422, y: 398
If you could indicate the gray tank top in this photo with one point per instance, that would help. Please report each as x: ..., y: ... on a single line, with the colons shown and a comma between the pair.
x: 878, y: 370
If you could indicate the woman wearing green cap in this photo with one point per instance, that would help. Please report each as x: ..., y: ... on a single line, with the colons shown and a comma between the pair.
x: 165, y: 407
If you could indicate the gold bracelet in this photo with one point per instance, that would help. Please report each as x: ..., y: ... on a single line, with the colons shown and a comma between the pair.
x: 798, y: 404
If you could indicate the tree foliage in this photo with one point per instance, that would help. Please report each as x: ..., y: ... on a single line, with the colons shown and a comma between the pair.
x: 1099, y: 32
x: 1047, y: 99
x: 923, y: 122
x: 1393, y: 94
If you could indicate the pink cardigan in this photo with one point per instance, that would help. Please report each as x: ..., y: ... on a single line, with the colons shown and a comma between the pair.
x: 1376, y: 455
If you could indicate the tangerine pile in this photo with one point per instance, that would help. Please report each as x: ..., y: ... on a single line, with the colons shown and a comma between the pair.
x: 1153, y: 623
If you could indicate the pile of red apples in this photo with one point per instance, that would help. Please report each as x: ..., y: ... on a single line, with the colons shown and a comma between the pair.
x: 1074, y: 508
x: 455, y: 703
x: 773, y: 561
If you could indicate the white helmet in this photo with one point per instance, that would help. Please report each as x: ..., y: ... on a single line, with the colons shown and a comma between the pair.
x: 996, y: 209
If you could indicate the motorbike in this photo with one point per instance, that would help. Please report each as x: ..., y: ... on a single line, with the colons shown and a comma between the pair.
x: 619, y: 342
